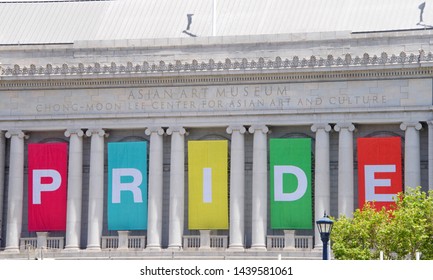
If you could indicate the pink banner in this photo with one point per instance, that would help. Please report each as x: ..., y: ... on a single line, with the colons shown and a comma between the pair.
x: 47, y: 186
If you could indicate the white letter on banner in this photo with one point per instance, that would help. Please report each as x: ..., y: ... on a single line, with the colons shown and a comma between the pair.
x: 279, y: 171
x: 371, y: 182
x: 207, y: 185
x: 38, y: 187
x: 133, y: 186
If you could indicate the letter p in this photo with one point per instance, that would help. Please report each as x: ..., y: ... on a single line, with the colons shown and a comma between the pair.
x: 39, y: 187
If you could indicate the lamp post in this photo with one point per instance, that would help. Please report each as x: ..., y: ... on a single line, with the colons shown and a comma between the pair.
x: 324, y: 225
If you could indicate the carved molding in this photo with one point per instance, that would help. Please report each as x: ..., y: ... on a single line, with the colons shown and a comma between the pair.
x: 404, y: 126
x: 319, y: 126
x: 210, y: 65
x: 180, y: 129
x: 96, y: 131
x: 233, y: 128
x: 74, y: 131
x: 158, y: 130
x: 349, y: 126
x: 258, y: 128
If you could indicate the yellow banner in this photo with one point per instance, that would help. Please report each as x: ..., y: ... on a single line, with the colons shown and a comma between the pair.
x: 208, y: 185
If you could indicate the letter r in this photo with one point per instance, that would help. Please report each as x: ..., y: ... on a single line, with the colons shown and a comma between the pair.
x: 134, y: 186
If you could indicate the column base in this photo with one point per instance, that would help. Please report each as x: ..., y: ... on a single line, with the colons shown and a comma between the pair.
x: 71, y: 249
x: 236, y: 248
x: 175, y: 248
x: 11, y: 250
x: 93, y: 248
x: 153, y: 248
x: 258, y: 248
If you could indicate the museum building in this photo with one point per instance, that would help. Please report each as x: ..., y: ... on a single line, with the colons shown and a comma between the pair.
x: 212, y: 128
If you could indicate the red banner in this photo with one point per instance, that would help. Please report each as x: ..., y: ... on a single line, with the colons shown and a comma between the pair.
x: 47, y: 186
x: 379, y: 171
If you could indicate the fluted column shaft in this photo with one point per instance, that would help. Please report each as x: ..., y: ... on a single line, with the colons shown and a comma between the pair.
x: 96, y: 189
x: 412, y: 158
x: 177, y: 187
x: 345, y: 169
x: 322, y: 190
x: 15, y: 193
x: 154, y: 217
x: 237, y: 187
x: 75, y: 189
x: 259, y: 188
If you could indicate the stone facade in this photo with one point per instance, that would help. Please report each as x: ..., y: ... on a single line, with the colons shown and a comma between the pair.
x: 330, y: 87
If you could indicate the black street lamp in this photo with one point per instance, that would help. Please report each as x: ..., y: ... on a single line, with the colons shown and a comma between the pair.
x: 324, y: 225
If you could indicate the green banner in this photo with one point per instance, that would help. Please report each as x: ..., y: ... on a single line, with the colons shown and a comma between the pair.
x: 290, y: 176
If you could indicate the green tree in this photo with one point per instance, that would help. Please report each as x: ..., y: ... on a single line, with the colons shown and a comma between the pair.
x: 410, y: 228
x: 358, y: 237
x: 399, y: 232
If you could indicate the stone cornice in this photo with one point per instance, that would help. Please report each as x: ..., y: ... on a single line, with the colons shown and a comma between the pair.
x: 211, y: 72
x: 211, y: 65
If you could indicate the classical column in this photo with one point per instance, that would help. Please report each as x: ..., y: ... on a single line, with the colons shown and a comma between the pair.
x: 345, y: 169
x: 237, y: 187
x: 259, y: 188
x: 75, y: 189
x: 430, y: 155
x: 322, y: 190
x: 96, y: 189
x: 15, y: 193
x: 177, y: 187
x: 412, y: 162
x: 2, y: 178
x: 154, y: 216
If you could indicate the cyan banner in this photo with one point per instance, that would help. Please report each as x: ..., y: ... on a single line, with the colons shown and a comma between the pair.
x: 127, y: 186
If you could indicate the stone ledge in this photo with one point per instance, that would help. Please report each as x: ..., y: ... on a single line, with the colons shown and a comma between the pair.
x: 330, y: 63
x: 165, y: 254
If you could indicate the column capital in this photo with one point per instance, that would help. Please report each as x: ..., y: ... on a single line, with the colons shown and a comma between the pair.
x: 180, y: 129
x: 155, y: 129
x: 230, y: 129
x: 325, y: 126
x: 406, y: 125
x: 77, y: 131
x: 258, y: 127
x: 349, y: 126
x: 430, y: 122
x: 98, y: 131
x: 19, y: 133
